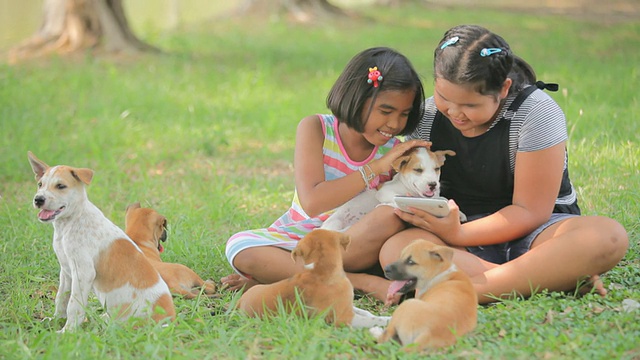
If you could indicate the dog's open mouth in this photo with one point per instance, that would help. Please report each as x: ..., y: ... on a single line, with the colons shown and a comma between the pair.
x: 49, y: 215
x: 401, y: 286
x: 429, y: 193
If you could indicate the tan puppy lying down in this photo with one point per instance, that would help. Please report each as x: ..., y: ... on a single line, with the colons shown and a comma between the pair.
x: 323, y: 285
x: 146, y: 227
x: 445, y: 305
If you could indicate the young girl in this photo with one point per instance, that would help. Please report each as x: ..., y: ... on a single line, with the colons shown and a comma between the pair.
x: 509, y: 176
x: 378, y: 96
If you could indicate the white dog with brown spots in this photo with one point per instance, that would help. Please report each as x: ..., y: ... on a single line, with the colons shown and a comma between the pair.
x: 94, y: 254
x: 418, y: 175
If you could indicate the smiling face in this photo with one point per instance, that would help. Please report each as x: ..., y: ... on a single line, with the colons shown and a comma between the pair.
x: 467, y: 110
x: 388, y: 116
x: 60, y: 188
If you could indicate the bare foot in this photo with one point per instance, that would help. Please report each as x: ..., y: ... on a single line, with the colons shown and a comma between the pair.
x: 235, y: 282
x: 374, y: 286
x: 592, y: 284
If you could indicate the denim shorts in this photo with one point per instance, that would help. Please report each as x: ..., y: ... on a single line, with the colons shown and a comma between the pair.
x: 502, y: 253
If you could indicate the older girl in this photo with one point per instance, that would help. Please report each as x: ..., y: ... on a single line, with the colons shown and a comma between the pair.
x: 509, y: 176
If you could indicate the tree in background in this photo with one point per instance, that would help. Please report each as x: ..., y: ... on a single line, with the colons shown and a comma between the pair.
x: 305, y: 11
x: 73, y: 25
x: 297, y: 10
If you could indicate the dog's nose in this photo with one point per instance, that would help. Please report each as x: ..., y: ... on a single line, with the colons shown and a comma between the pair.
x: 389, y: 269
x: 39, y: 200
x: 432, y: 185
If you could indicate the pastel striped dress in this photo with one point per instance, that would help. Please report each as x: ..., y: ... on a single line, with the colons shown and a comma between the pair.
x: 293, y: 225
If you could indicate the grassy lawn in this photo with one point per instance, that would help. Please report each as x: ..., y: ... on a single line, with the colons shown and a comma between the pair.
x: 205, y: 135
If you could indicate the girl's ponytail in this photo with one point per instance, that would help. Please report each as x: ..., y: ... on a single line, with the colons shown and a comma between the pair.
x: 522, y: 75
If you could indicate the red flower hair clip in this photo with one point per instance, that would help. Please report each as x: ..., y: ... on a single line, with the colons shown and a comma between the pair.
x: 374, y: 76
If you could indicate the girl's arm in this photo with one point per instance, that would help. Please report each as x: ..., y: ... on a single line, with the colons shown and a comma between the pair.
x: 538, y: 175
x: 316, y: 195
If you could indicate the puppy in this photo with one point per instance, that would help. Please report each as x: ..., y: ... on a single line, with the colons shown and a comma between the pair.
x: 323, y: 286
x: 418, y: 174
x: 445, y: 305
x: 94, y: 253
x: 146, y: 227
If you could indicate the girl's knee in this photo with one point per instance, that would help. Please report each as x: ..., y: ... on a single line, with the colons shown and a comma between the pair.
x: 355, y: 261
x: 610, y: 233
x: 411, y: 234
x: 608, y: 239
x: 245, y: 259
x: 617, y: 239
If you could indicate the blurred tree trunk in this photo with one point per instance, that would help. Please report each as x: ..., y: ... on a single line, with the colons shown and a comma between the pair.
x: 297, y: 10
x: 73, y: 25
x: 396, y: 3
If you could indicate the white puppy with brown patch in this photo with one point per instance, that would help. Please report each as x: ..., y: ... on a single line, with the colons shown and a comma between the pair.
x: 94, y: 253
x: 418, y: 175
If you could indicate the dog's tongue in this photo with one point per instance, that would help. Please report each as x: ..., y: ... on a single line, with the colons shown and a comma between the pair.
x: 160, y: 248
x: 395, y: 287
x: 45, y: 214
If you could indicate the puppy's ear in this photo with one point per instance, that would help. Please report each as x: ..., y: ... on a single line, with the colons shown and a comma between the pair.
x: 296, y: 253
x: 131, y: 207
x: 83, y: 175
x: 435, y: 256
x: 400, y: 162
x: 38, y: 166
x: 135, y: 205
x: 161, y: 224
x: 304, y: 249
x: 440, y: 154
x: 443, y: 253
x: 345, y: 240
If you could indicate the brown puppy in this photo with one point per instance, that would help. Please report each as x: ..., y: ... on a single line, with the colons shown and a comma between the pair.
x: 147, y: 228
x: 322, y: 286
x: 445, y: 305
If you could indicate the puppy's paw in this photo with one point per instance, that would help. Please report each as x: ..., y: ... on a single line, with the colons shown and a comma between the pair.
x: 376, y: 331
x: 364, y: 319
x: 382, y: 320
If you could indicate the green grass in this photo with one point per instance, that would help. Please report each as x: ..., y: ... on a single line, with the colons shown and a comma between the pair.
x: 205, y: 135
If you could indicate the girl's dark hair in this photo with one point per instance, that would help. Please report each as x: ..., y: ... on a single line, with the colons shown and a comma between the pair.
x: 351, y: 90
x: 460, y: 61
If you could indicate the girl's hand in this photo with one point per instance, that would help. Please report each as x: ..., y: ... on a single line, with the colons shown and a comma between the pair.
x: 448, y: 228
x: 384, y: 163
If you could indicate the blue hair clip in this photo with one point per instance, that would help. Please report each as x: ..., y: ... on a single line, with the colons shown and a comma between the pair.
x: 489, y: 51
x: 451, y: 41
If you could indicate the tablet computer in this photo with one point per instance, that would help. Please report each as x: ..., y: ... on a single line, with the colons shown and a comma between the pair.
x: 435, y: 206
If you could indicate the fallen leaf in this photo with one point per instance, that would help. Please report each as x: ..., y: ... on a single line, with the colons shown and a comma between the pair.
x: 548, y: 318
x: 629, y: 305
